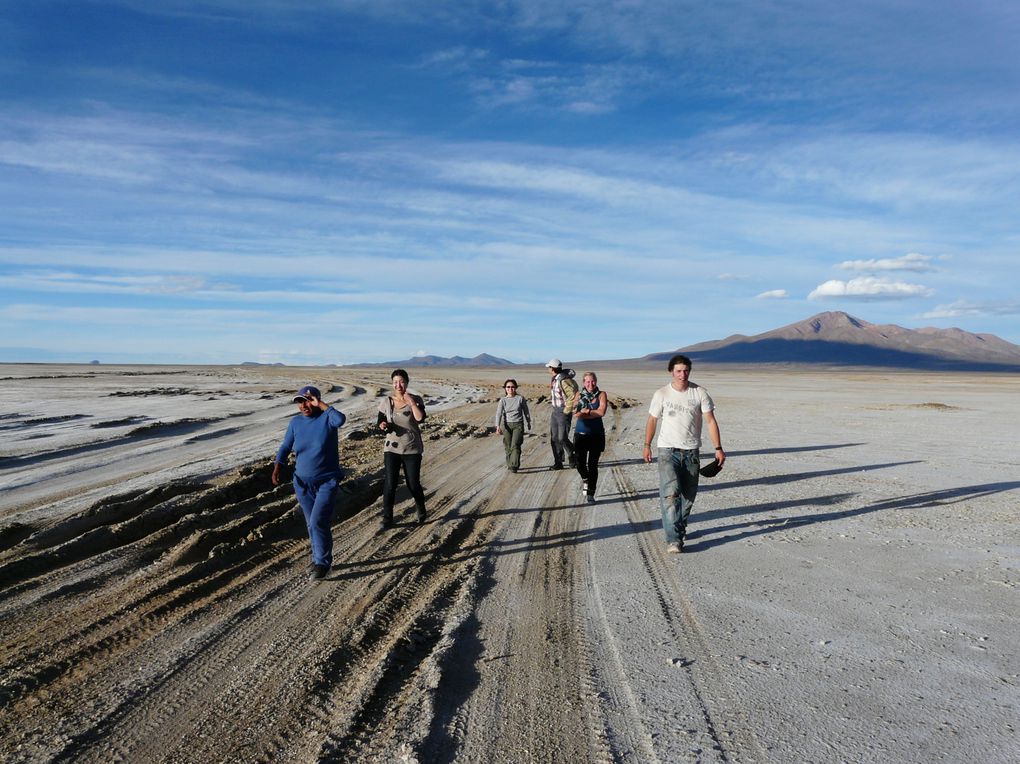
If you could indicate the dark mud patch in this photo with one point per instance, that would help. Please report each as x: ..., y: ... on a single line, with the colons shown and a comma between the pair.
x: 126, y: 421
x: 437, y: 428
x: 213, y: 435
x: 623, y: 403
x: 153, y: 391
x: 178, y: 427
x: 154, y: 430
x: 14, y: 421
x: 14, y: 534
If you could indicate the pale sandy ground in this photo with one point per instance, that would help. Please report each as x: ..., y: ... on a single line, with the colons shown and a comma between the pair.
x: 849, y: 592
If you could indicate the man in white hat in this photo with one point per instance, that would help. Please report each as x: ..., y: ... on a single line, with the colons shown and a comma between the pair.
x: 563, y: 394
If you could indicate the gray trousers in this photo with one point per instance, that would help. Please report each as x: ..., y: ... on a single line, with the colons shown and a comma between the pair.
x: 559, y: 430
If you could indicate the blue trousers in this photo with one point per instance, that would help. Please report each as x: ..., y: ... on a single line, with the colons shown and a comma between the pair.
x: 678, y: 487
x: 318, y: 503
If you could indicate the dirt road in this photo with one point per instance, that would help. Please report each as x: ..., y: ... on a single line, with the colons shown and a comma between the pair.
x: 155, y: 608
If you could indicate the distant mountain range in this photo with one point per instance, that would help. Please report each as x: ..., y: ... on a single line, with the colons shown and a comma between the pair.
x: 833, y: 338
x: 836, y: 338
x: 483, y: 359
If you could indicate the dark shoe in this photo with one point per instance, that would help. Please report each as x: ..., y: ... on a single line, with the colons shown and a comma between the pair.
x: 558, y: 466
x: 513, y: 469
x: 421, y: 517
x: 591, y: 499
x: 318, y: 572
x: 385, y: 524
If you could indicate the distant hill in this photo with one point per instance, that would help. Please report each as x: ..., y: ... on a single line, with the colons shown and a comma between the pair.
x: 837, y: 338
x: 483, y: 359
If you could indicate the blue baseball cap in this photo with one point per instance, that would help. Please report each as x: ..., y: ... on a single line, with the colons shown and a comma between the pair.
x: 307, y: 392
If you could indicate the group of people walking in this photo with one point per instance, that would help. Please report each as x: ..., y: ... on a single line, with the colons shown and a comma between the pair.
x: 587, y: 404
x: 677, y: 413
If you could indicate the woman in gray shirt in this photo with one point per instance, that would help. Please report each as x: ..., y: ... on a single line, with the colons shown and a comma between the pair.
x: 399, y: 417
x: 511, y: 415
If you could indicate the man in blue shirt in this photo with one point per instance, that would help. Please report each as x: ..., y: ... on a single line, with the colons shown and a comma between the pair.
x: 312, y: 436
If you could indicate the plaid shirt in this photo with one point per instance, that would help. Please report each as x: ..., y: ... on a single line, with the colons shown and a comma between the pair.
x: 559, y: 400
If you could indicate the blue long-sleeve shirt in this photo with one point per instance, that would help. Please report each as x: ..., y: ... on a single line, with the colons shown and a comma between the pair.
x: 314, y: 441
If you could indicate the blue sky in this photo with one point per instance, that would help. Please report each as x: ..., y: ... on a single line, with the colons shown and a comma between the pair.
x: 291, y: 181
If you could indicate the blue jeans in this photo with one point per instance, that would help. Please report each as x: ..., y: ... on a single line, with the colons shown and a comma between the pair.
x: 678, y: 485
x: 318, y: 503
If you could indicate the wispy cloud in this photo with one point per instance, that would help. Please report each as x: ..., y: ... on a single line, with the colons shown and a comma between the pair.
x: 964, y: 308
x: 869, y: 288
x: 911, y: 262
x: 772, y: 294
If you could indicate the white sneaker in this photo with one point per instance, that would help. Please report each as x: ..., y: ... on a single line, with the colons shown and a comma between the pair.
x: 673, y: 548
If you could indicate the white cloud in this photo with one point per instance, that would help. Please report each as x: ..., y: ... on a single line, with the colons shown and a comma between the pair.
x: 911, y: 262
x: 962, y: 308
x: 869, y: 288
x: 772, y: 294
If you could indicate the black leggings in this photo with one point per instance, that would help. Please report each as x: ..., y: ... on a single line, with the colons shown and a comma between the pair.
x: 588, y: 447
x: 412, y: 477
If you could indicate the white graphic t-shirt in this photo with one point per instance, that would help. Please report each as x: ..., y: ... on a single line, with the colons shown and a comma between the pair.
x: 680, y: 415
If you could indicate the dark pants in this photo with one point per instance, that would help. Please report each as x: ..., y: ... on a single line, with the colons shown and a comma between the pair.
x: 588, y: 447
x: 412, y: 477
x: 513, y: 437
x: 318, y: 502
x: 559, y: 431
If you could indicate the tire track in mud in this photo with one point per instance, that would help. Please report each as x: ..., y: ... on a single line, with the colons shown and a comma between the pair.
x: 408, y: 633
x: 615, y: 725
x: 138, y: 723
x: 726, y: 722
x: 93, y: 639
x: 531, y: 702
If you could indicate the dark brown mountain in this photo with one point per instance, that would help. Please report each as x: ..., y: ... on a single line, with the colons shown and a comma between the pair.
x: 836, y: 338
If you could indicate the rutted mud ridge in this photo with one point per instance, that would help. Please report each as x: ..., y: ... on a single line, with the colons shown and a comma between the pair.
x: 166, y: 616
x: 147, y: 393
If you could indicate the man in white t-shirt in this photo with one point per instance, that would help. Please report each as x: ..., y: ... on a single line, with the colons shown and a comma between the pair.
x: 681, y: 406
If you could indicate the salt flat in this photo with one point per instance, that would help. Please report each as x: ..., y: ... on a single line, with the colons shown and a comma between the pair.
x: 849, y: 591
